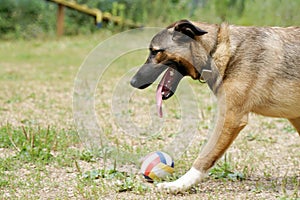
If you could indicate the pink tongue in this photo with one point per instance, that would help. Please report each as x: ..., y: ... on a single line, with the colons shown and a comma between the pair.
x: 159, y: 91
x: 159, y: 99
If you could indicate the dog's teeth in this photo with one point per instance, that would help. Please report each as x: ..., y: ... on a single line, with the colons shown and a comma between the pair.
x: 162, y: 93
x: 171, y: 73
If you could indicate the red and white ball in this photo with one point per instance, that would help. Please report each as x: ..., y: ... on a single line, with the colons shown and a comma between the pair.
x: 157, y: 165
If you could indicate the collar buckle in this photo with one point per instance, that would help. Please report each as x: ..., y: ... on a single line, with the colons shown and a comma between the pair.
x: 206, y: 74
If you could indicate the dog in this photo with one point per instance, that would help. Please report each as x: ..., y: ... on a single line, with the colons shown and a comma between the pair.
x: 249, y: 69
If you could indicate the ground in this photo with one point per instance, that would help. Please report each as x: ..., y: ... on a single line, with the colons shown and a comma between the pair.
x: 42, y: 156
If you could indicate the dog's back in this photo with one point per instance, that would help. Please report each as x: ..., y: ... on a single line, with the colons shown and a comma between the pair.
x: 265, y: 64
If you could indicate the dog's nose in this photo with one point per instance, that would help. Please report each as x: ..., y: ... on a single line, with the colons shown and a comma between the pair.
x: 138, y: 84
x: 133, y: 82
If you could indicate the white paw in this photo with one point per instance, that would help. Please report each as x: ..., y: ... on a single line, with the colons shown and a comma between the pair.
x: 185, y: 182
x: 172, y: 187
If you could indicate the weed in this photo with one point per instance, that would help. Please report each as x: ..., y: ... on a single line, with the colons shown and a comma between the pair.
x: 131, y: 184
x: 288, y: 129
x: 104, y: 173
x: 3, y: 183
x: 87, y: 156
x: 122, y: 181
x: 30, y: 143
x: 26, y: 142
x: 225, y: 171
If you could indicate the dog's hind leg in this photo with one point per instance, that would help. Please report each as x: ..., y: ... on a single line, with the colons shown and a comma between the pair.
x: 229, y: 124
x: 296, y: 123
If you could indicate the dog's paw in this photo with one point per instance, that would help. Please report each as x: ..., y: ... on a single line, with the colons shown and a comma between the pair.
x: 172, y: 187
x: 185, y: 182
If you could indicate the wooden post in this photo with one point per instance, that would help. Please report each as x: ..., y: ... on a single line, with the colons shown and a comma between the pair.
x: 60, y: 20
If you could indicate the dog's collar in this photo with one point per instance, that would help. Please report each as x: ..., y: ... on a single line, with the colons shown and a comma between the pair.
x: 206, y: 74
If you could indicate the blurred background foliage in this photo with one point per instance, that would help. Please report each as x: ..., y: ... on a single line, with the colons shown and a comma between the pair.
x: 37, y: 18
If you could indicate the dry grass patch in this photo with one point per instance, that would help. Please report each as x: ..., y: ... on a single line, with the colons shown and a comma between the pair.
x: 36, y: 79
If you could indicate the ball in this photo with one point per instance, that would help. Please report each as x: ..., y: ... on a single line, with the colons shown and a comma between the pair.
x: 157, y: 165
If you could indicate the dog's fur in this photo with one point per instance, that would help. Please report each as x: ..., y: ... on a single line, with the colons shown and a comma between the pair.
x: 250, y: 69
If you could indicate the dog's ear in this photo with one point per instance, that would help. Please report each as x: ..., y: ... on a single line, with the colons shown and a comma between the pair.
x: 189, y: 29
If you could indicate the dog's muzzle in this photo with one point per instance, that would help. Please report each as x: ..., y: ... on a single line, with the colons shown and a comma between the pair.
x: 146, y: 75
x: 138, y: 84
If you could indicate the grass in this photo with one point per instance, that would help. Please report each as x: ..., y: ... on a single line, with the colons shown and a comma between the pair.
x: 42, y: 157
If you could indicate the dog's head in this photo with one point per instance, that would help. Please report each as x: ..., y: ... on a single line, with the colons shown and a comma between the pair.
x: 174, y: 50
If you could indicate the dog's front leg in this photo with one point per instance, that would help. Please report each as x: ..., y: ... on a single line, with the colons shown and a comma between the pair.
x: 228, y: 126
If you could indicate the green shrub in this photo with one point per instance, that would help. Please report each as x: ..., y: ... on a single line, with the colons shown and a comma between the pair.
x: 37, y: 18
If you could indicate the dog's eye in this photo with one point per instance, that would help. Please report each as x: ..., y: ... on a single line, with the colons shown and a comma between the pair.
x: 155, y: 51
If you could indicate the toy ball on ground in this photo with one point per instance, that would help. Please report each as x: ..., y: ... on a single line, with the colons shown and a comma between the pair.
x: 157, y: 165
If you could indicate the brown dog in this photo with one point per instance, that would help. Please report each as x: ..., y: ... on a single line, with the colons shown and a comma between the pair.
x: 249, y: 69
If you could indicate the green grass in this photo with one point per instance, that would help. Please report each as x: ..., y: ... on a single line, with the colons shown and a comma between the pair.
x: 41, y: 155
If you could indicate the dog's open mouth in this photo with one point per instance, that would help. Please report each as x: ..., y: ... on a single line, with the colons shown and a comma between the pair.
x: 167, y: 86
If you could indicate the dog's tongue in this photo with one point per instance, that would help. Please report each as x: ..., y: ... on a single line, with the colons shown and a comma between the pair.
x: 159, y: 99
x: 164, y: 88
